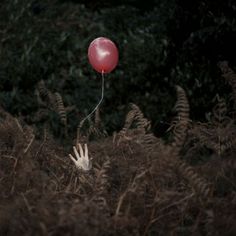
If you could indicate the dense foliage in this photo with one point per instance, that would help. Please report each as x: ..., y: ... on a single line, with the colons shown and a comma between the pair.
x: 174, y: 42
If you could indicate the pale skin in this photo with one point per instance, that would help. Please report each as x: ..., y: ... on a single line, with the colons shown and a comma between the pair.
x: 81, y: 159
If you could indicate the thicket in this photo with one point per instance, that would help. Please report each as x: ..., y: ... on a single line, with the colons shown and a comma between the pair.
x: 135, y: 183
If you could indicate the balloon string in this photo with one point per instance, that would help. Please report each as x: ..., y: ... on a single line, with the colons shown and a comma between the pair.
x: 100, y: 101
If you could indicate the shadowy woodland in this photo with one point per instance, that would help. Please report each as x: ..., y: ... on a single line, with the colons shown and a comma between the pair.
x: 157, y: 168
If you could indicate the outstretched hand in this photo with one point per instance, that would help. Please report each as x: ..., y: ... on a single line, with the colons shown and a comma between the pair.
x: 82, y: 160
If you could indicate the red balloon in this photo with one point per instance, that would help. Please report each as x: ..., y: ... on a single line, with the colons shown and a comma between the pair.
x: 103, y: 55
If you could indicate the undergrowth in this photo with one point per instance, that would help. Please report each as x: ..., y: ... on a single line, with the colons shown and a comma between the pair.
x: 139, y: 184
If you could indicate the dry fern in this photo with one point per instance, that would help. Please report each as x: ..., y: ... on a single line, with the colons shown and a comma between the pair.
x: 135, y: 127
x: 43, y: 91
x: 150, y: 142
x: 201, y: 186
x: 61, y: 111
x: 141, y: 122
x: 129, y: 193
x: 46, y: 96
x: 218, y: 134
x: 181, y: 127
x: 49, y: 101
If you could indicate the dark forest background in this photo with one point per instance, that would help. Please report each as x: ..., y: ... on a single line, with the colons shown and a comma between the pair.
x: 161, y: 44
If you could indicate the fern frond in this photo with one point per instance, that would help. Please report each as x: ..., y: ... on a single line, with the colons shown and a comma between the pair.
x: 218, y: 134
x: 200, y: 185
x: 128, y: 121
x: 182, y: 105
x: 149, y: 142
x: 141, y: 125
x: 61, y: 108
x: 181, y: 127
x: 61, y: 111
x: 43, y: 91
x: 141, y: 121
x: 46, y: 95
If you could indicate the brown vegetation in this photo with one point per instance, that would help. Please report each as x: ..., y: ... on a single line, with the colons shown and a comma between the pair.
x: 139, y: 184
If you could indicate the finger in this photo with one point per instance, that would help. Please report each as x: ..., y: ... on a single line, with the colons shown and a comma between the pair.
x: 86, y: 150
x: 81, y: 150
x: 76, y: 153
x: 72, y: 158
